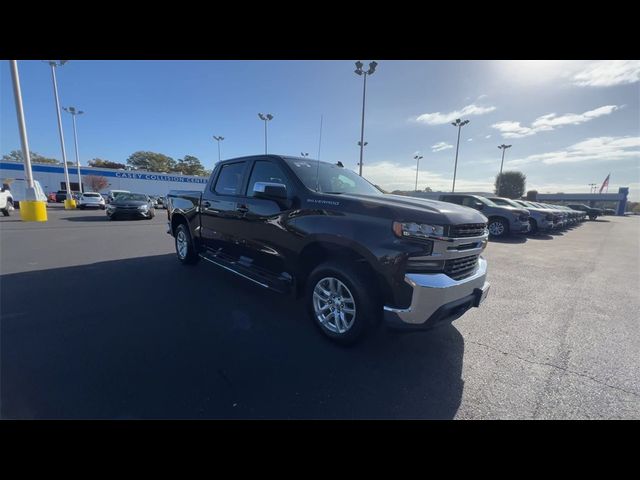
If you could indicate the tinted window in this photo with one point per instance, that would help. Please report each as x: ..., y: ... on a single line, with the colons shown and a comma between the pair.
x: 470, y: 202
x: 265, y: 171
x: 452, y: 199
x: 230, y: 179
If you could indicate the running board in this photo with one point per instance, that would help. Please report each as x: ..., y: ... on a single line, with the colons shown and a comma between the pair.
x: 276, y: 284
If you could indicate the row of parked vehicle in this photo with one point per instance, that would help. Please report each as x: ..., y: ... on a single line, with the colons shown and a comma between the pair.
x: 507, y: 216
x: 89, y: 200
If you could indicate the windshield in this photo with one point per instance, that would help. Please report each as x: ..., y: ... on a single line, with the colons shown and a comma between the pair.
x: 92, y: 195
x: 329, y: 178
x: 131, y: 197
x: 486, y: 201
x: 504, y: 201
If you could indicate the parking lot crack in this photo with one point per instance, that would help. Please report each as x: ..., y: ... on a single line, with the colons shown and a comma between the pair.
x: 558, y: 367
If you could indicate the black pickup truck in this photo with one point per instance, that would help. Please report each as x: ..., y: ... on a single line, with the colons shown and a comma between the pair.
x: 318, y: 230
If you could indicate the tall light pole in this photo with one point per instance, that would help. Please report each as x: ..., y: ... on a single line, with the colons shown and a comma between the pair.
x: 266, y: 117
x: 218, y: 139
x: 74, y: 112
x: 31, y: 209
x: 417, y: 158
x: 458, y: 123
x: 361, y: 72
x: 69, y: 203
x: 592, y: 187
x: 502, y: 147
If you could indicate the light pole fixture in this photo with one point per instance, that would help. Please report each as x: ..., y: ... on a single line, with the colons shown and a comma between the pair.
x: 304, y: 154
x: 266, y: 118
x: 74, y: 113
x: 69, y: 203
x: 592, y: 187
x: 502, y: 147
x: 417, y: 158
x: 458, y: 123
x: 365, y: 74
x: 361, y: 145
x: 218, y: 139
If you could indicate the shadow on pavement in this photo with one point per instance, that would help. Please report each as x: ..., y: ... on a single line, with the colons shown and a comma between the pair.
x: 509, y: 239
x: 87, y: 218
x: 150, y: 338
x: 540, y: 236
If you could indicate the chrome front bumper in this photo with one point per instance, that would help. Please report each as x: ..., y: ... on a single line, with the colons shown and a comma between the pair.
x: 438, y: 297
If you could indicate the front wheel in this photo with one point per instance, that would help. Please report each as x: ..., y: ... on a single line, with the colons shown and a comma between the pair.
x: 498, y: 228
x: 592, y: 217
x: 184, y: 246
x: 533, y: 226
x: 341, y: 302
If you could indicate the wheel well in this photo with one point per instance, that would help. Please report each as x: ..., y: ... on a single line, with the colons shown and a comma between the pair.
x: 177, y: 220
x: 317, y: 253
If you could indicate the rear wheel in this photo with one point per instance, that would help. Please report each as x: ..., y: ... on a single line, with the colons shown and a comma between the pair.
x: 8, y: 209
x: 592, y: 217
x: 341, y: 302
x: 534, y: 226
x: 184, y: 246
x: 498, y: 228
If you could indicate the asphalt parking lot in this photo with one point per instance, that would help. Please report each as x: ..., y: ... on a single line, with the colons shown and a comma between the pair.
x: 99, y: 320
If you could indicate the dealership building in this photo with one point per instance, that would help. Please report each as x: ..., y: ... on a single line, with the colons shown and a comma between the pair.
x: 51, y: 178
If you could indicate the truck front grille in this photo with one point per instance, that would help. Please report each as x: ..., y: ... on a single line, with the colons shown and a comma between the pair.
x: 460, y: 268
x: 467, y: 230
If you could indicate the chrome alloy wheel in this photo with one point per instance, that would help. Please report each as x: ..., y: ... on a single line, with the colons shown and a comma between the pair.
x: 496, y: 228
x: 182, y: 245
x: 334, y: 305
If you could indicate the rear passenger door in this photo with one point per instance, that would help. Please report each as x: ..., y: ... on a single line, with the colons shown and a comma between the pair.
x: 220, y: 210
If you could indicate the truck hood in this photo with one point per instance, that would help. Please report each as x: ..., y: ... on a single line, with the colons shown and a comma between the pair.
x: 411, y: 209
x: 516, y: 210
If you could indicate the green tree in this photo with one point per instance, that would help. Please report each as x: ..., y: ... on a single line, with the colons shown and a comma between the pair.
x: 513, y: 184
x: 16, y: 156
x: 98, y: 162
x: 428, y: 189
x: 155, y: 162
x: 189, y: 165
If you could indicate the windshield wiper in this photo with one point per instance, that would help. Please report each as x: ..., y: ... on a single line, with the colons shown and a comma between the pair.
x: 333, y: 193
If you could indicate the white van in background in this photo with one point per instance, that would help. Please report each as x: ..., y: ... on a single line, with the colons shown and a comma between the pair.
x: 18, y: 188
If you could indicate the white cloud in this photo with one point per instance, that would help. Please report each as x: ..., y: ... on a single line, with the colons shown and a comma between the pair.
x: 482, y: 96
x: 488, y: 136
x: 592, y: 149
x: 469, y: 139
x: 393, y: 176
x: 607, y: 73
x: 550, y: 121
x: 438, y: 118
x: 438, y: 147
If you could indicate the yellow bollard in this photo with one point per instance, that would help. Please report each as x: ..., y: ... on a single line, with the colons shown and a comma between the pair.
x: 33, y: 211
x: 69, y: 204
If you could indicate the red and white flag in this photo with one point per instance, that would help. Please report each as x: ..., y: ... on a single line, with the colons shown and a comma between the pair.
x: 605, y: 184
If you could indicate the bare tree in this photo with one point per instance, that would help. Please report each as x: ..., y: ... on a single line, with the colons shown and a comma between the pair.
x: 97, y: 183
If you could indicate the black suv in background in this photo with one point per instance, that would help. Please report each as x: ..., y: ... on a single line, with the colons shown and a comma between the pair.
x: 503, y: 219
x: 592, y: 213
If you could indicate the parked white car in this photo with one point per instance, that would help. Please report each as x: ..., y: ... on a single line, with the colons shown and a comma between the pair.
x: 6, y: 202
x: 91, y: 200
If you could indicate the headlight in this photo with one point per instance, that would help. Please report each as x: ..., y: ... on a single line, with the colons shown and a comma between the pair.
x: 143, y: 207
x: 417, y: 230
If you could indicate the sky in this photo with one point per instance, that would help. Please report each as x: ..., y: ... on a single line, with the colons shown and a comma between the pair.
x: 570, y: 123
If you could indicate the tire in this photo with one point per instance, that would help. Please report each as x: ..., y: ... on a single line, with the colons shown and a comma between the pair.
x: 354, y: 292
x: 498, y: 228
x: 533, y: 226
x: 592, y: 217
x: 188, y: 256
x: 102, y: 207
x: 151, y: 215
x: 8, y: 209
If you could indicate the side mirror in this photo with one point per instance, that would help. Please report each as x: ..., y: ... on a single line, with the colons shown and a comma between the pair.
x: 479, y: 205
x: 269, y: 190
